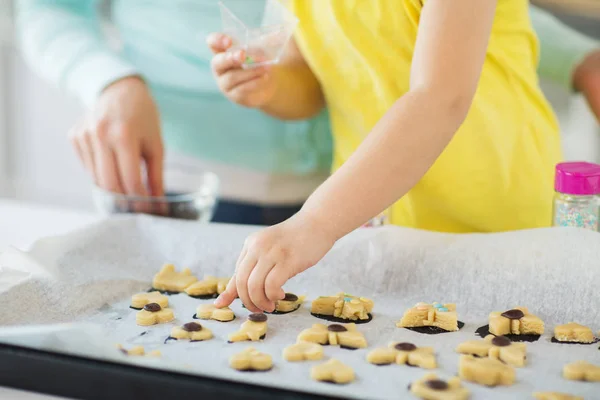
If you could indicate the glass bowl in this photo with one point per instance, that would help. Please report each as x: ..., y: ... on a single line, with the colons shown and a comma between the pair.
x: 189, y: 194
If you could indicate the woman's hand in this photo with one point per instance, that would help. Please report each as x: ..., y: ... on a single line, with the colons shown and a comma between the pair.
x: 253, y: 88
x: 121, y: 132
x: 271, y: 257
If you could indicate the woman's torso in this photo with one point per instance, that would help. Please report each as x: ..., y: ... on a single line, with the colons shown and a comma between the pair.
x: 496, y: 174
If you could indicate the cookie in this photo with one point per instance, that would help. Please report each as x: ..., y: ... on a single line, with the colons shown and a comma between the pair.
x: 288, y: 304
x: 517, y: 321
x: 138, y: 351
x: 169, y: 281
x: 153, y: 314
x: 430, y: 387
x: 573, y: 333
x: 485, y: 371
x: 436, y: 315
x: 555, y: 396
x: 209, y: 311
x: 208, y: 288
x: 346, y: 336
x: 497, y: 347
x: 342, y: 307
x: 303, y: 351
x: 332, y: 371
x: 138, y: 301
x: 403, y: 353
x: 251, y: 360
x: 191, y: 331
x: 254, y: 329
x: 582, y: 371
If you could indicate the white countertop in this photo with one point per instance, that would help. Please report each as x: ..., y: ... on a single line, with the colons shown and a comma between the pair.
x: 20, y: 225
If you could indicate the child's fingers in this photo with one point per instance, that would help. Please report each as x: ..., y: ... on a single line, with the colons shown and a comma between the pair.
x: 256, y: 284
x: 243, y: 90
x: 224, y: 62
x: 274, y: 282
x: 232, y: 79
x: 241, y: 281
x: 218, y: 42
x: 228, y: 296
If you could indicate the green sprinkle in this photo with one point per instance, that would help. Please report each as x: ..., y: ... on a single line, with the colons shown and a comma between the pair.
x: 249, y: 60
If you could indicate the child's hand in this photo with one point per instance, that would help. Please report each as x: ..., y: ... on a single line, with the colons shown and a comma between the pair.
x: 272, y: 256
x: 252, y: 88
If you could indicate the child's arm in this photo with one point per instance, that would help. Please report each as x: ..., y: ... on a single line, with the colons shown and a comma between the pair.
x: 449, y: 55
x: 287, y: 91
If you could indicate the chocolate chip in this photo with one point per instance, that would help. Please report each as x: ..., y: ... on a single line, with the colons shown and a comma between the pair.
x: 152, y: 307
x: 336, y: 328
x: 290, y: 297
x: 192, y: 327
x: 501, y: 341
x: 513, y: 314
x: 124, y: 351
x: 405, y: 347
x: 257, y: 317
x: 436, y: 384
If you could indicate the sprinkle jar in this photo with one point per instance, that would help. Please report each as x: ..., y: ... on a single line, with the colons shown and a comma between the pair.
x: 577, y: 201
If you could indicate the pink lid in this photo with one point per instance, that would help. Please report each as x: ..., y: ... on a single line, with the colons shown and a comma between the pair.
x: 579, y: 178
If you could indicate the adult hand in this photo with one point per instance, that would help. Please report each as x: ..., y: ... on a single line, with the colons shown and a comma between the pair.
x: 253, y: 87
x: 271, y: 257
x: 586, y: 79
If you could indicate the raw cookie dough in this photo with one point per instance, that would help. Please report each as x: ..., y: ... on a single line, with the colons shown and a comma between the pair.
x: 517, y: 321
x: 254, y: 329
x: 251, y: 360
x: 403, y: 353
x: 573, y: 333
x: 485, y: 371
x: 497, y: 347
x: 303, y: 351
x: 555, y: 396
x: 437, y: 315
x: 582, y: 371
x: 333, y: 371
x: 288, y: 304
x: 138, y: 301
x: 430, y: 387
x: 342, y: 307
x: 153, y: 314
x: 209, y: 311
x: 345, y: 335
x: 170, y: 281
x: 191, y: 331
x: 138, y: 351
x: 208, y: 288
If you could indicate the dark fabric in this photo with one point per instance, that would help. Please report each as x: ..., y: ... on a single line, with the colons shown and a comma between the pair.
x: 251, y: 214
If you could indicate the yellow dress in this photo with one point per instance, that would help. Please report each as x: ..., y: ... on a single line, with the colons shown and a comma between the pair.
x: 497, y: 172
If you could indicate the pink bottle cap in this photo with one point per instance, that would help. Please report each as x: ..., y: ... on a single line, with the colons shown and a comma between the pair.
x: 578, y: 178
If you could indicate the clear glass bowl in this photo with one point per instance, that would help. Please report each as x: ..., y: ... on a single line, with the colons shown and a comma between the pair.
x: 189, y: 194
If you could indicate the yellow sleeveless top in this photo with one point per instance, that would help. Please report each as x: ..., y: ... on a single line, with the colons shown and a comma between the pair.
x: 497, y: 172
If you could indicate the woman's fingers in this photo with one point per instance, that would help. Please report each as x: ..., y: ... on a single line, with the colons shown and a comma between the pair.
x: 106, y: 169
x: 129, y: 163
x: 223, y: 62
x: 256, y: 284
x: 232, y: 79
x: 218, y: 42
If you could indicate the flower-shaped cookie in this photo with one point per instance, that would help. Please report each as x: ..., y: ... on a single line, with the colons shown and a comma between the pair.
x: 431, y: 387
x: 555, y: 396
x: 191, y: 331
x: 498, y: 347
x: 573, y: 333
x: 303, y: 351
x: 333, y: 371
x: 345, y: 335
x: 288, y: 304
x: 342, y: 307
x: 485, y: 371
x: 517, y: 321
x: 138, y: 351
x: 251, y: 360
x: 442, y: 316
x: 209, y: 311
x: 254, y: 329
x: 403, y: 353
x: 153, y: 314
x: 170, y: 281
x: 207, y: 288
x: 138, y: 301
x: 582, y: 371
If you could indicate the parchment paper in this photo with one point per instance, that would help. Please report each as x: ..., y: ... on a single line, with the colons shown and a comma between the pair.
x: 83, y: 282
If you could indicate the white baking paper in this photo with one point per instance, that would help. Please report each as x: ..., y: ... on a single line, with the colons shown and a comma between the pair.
x: 79, y: 286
